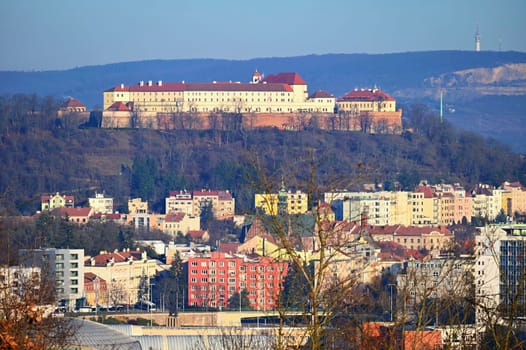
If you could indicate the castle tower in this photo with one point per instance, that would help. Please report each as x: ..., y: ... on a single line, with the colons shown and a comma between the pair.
x: 477, y: 40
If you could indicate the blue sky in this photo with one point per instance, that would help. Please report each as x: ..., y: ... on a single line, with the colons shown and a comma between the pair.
x: 55, y: 34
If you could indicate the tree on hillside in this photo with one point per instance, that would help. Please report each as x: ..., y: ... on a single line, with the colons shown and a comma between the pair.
x: 144, y: 176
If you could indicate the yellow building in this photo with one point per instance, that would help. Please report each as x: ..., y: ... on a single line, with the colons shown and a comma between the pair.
x: 518, y: 197
x: 123, y: 272
x: 280, y: 93
x: 296, y: 202
x: 370, y: 110
x: 137, y: 206
x: 50, y: 202
x: 180, y: 222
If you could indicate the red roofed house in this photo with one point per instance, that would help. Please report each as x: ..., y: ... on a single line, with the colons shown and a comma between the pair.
x: 180, y: 222
x: 123, y: 271
x: 76, y: 215
x: 95, y: 289
x: 72, y: 105
x: 49, y: 202
x: 371, y: 110
x: 74, y: 110
x: 199, y: 235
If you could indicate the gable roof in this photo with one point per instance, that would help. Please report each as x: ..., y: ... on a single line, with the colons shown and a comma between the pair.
x: 72, y: 103
x: 228, y: 247
x: 321, y: 94
x: 104, y: 258
x: 366, y: 95
x: 118, y: 106
x: 285, y: 78
x: 174, y: 217
x: 73, y: 212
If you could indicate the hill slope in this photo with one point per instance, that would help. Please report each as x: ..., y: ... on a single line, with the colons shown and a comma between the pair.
x: 42, y: 155
x: 410, y: 77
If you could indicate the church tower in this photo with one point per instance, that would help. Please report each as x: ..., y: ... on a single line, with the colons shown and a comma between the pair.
x: 256, y: 77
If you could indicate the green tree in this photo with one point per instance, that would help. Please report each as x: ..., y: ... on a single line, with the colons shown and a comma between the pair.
x: 144, y: 176
x: 239, y: 301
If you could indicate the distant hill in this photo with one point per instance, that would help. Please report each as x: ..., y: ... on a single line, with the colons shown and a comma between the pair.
x: 473, y: 83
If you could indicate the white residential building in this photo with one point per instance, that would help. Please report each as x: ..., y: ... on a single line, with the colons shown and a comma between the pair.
x: 66, y: 266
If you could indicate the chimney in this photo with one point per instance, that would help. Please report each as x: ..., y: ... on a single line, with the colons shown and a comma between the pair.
x: 160, y: 83
x: 122, y: 86
x: 150, y: 83
x: 141, y: 83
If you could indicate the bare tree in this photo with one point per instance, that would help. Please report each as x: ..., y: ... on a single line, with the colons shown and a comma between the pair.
x: 27, y: 320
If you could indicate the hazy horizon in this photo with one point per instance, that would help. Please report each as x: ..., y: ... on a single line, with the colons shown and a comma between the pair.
x: 60, y: 34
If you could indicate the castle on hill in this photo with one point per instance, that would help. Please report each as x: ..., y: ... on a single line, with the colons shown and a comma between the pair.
x: 279, y: 100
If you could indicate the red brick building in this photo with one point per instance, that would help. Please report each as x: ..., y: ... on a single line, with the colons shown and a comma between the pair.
x: 213, y: 279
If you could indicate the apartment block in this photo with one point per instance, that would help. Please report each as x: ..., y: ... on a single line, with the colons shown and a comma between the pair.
x: 101, y: 203
x: 64, y: 266
x: 192, y: 203
x: 500, y: 271
x: 213, y: 279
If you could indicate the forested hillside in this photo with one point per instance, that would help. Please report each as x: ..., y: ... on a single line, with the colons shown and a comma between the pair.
x: 484, y: 92
x: 43, y: 154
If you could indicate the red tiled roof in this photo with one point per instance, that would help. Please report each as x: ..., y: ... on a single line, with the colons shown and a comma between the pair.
x: 321, y: 94
x: 228, y: 247
x: 217, y: 86
x: 174, y: 217
x: 366, y: 95
x: 422, y: 340
x: 285, y: 78
x: 428, y: 191
x: 196, y: 234
x: 103, y: 258
x: 73, y: 103
x: 73, y: 212
x: 90, y: 277
x: 118, y: 106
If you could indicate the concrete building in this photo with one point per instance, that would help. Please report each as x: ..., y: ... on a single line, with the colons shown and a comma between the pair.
x: 517, y: 198
x: 500, y: 268
x: 441, y: 277
x: 296, y: 202
x: 213, y: 279
x: 64, y: 266
x: 123, y: 272
x: 192, y: 203
x: 101, y: 203
x: 487, y: 201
